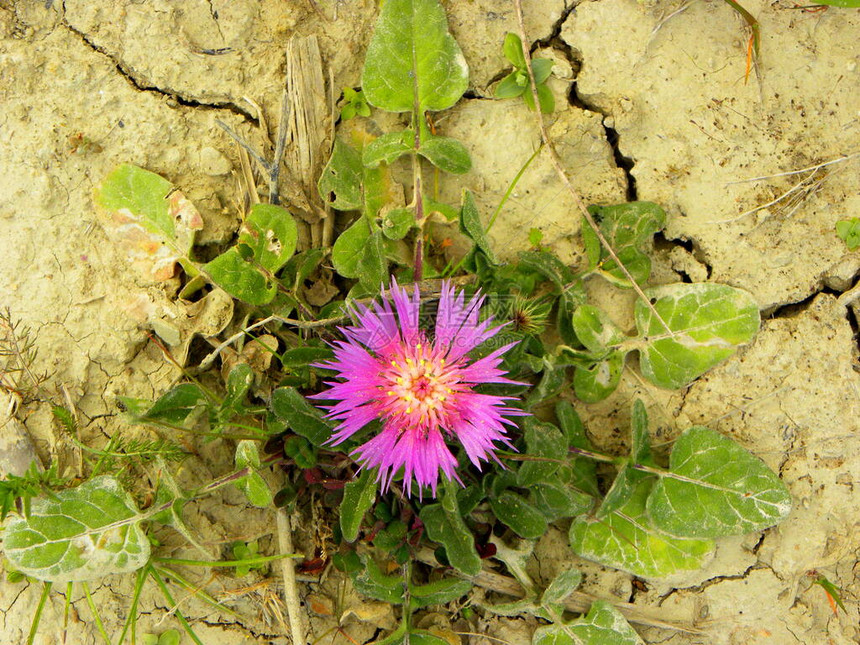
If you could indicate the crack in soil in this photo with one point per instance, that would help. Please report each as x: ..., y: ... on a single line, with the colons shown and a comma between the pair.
x: 129, y: 75
x: 713, y: 581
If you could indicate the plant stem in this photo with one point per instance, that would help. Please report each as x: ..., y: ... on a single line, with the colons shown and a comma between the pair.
x: 99, y: 624
x: 418, y: 268
x: 37, y: 617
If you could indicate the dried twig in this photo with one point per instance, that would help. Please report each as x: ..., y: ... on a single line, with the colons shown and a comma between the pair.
x: 298, y: 630
x: 556, y: 162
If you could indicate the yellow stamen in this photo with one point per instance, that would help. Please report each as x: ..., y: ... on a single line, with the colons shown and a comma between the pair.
x: 389, y: 393
x: 408, y: 410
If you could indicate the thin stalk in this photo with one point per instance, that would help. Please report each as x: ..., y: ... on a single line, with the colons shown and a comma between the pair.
x: 511, y: 187
x: 173, y: 606
x: 37, y: 617
x: 556, y: 162
x: 131, y: 620
x: 66, y: 609
x: 95, y: 612
x: 197, y: 591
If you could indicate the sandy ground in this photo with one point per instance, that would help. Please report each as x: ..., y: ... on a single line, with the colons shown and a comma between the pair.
x: 652, y: 106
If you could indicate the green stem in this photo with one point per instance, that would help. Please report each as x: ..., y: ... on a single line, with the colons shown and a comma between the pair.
x: 511, y: 187
x: 750, y: 20
x: 95, y: 612
x: 227, y: 563
x: 173, y: 606
x: 34, y: 626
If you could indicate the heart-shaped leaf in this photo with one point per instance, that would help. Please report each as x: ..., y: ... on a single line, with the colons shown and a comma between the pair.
x: 240, y: 278
x: 446, y: 154
x: 271, y: 233
x: 709, y: 322
x: 716, y: 488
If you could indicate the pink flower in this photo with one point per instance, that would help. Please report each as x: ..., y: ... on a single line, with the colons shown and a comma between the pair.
x: 421, y: 386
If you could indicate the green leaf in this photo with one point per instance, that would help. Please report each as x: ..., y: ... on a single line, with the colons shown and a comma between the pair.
x: 625, y: 540
x: 542, y: 68
x: 549, y: 266
x: 558, y: 500
x: 513, y: 50
x: 545, y: 98
x: 564, y: 584
x: 640, y: 452
x: 445, y: 525
x: 358, y: 497
x: 370, y: 581
x: 247, y: 454
x: 603, y: 625
x: 240, y: 278
x: 710, y: 322
x: 522, y: 518
x: 84, y: 533
x: 152, y: 222
x: 849, y: 231
x: 303, y: 418
x: 629, y: 229
x: 412, y: 62
x: 583, y: 470
x: 238, y: 382
x: 176, y: 404
x: 439, y: 592
x: 838, y: 3
x: 388, y: 148
x: 623, y: 487
x: 598, y: 380
x: 373, y: 266
x: 304, y: 356
x: 543, y: 440
x: 595, y: 329
x: 397, y: 222
x: 470, y: 225
x: 271, y: 232
x: 446, y: 154
x: 349, y: 247
x: 716, y: 488
x: 301, y: 451
x: 510, y: 86
x: 340, y: 182
x: 256, y: 490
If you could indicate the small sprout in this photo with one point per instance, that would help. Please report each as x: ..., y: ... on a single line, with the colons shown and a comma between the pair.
x: 170, y: 637
x: 246, y: 551
x: 849, y: 231
x: 535, y: 237
x: 354, y: 104
x: 834, y: 598
x: 517, y: 82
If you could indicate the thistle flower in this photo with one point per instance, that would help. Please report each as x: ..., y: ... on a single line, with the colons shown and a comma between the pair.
x: 420, y: 385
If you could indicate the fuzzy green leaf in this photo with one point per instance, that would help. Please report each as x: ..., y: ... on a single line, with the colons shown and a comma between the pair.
x: 439, y: 592
x: 388, y: 148
x: 710, y: 322
x: 397, y: 222
x: 849, y: 231
x: 373, y: 266
x: 340, y: 182
x: 370, y: 581
x: 629, y: 229
x: 470, y: 225
x: 520, y: 516
x: 716, y: 488
x: 349, y: 248
x: 303, y: 418
x: 446, y: 154
x: 595, y: 382
x: 510, y: 86
x: 176, y: 404
x: 84, y: 533
x: 625, y: 540
x: 603, y: 625
x: 413, y: 63
x: 544, y: 441
x: 445, y: 525
x: 595, y: 329
x: 358, y: 497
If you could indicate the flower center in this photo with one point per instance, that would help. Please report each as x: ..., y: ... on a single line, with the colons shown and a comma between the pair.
x: 419, y: 383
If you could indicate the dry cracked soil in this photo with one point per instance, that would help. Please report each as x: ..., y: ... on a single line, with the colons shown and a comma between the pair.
x: 653, y: 104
